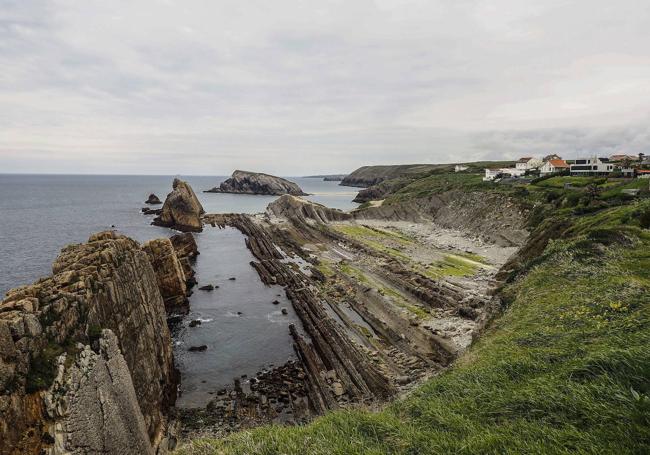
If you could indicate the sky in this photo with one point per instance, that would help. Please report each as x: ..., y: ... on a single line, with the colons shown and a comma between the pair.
x: 304, y: 87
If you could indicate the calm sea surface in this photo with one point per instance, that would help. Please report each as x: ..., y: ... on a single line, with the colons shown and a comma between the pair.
x: 243, y: 330
x: 40, y: 214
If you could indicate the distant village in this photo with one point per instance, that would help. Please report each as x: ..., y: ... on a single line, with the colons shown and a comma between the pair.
x: 624, y: 166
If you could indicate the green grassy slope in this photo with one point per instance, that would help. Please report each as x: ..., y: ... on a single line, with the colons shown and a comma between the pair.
x: 564, y: 369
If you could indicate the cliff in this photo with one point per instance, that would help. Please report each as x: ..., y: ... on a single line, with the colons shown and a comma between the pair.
x: 243, y: 182
x: 181, y: 210
x: 85, y: 355
x: 367, y: 176
x: 296, y: 207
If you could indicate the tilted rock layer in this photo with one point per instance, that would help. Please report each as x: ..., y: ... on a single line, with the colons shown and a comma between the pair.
x: 257, y: 183
x: 52, y: 333
x: 169, y: 272
x: 296, y: 207
x: 181, y: 210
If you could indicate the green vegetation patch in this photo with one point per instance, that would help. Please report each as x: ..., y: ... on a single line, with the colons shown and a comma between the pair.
x: 376, y: 239
x: 451, y: 265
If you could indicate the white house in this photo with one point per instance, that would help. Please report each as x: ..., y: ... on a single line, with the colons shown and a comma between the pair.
x: 491, y: 174
x: 553, y: 166
x: 528, y: 163
x: 460, y: 168
x: 591, y: 166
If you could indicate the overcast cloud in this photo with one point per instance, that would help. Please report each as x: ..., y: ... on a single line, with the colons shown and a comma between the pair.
x: 297, y: 87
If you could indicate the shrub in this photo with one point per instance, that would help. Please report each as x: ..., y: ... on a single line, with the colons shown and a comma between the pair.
x: 644, y: 219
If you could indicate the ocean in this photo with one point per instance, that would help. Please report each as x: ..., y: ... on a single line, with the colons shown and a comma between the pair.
x: 40, y: 214
x: 244, y: 331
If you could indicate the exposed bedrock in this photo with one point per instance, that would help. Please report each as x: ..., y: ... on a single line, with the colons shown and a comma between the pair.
x: 86, y: 355
x: 493, y: 217
x: 187, y: 251
x: 291, y: 206
x: 181, y: 210
x: 169, y: 273
x: 244, y: 182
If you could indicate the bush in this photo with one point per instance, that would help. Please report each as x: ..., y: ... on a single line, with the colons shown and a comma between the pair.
x: 644, y: 219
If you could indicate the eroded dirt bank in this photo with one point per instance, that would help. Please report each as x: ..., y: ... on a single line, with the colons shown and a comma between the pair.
x: 383, y: 304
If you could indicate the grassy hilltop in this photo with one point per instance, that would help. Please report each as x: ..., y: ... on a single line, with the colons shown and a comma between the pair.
x: 564, y: 369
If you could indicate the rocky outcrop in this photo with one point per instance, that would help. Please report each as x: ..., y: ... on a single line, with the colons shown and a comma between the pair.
x: 186, y: 251
x: 381, y: 190
x: 493, y: 217
x: 153, y: 199
x: 367, y: 176
x: 71, y: 343
x: 295, y: 207
x: 95, y: 404
x: 243, y: 182
x: 181, y: 210
x: 169, y: 273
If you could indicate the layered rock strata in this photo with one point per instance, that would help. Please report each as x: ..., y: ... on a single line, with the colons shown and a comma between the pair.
x: 181, y: 210
x: 85, y: 355
x: 169, y: 273
x: 244, y: 182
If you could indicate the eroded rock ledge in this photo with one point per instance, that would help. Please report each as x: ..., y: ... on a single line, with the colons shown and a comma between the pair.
x: 85, y: 354
x: 244, y: 182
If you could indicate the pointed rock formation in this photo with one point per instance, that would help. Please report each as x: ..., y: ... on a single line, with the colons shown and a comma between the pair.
x: 244, y: 182
x: 181, y: 210
x: 153, y: 199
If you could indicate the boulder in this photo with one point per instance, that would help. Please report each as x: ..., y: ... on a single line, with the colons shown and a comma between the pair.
x: 181, y: 210
x: 153, y: 200
x: 244, y: 182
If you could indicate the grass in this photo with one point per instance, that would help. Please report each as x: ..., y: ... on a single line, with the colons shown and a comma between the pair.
x: 402, y: 302
x: 451, y: 265
x: 376, y: 238
x: 565, y: 369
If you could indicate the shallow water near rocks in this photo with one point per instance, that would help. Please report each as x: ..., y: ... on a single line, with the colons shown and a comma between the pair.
x: 237, y: 344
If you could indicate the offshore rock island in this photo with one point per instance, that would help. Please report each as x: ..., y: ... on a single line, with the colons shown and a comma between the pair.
x: 244, y: 182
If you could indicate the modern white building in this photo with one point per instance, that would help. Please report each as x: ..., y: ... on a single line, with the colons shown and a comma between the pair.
x: 591, y: 166
x: 553, y: 166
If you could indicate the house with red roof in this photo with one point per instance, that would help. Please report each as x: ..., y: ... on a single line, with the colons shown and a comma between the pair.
x: 553, y: 166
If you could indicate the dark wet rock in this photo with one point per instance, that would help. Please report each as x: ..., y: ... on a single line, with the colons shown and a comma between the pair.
x: 153, y: 200
x: 200, y: 348
x: 181, y: 210
x: 232, y: 278
x: 276, y: 302
x: 244, y: 182
x: 195, y: 322
x: 207, y: 287
x: 285, y: 311
x: 148, y: 211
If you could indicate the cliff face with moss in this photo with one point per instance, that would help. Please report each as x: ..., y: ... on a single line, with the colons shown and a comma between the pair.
x: 86, y: 356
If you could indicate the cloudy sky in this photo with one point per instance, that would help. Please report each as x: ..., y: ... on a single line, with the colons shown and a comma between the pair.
x: 296, y: 87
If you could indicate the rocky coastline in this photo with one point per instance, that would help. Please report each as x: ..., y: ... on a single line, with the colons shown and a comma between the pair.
x: 244, y: 182
x: 90, y: 345
x: 386, y: 297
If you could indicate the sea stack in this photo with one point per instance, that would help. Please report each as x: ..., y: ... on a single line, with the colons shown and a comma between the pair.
x: 153, y: 200
x: 244, y: 182
x: 181, y: 210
